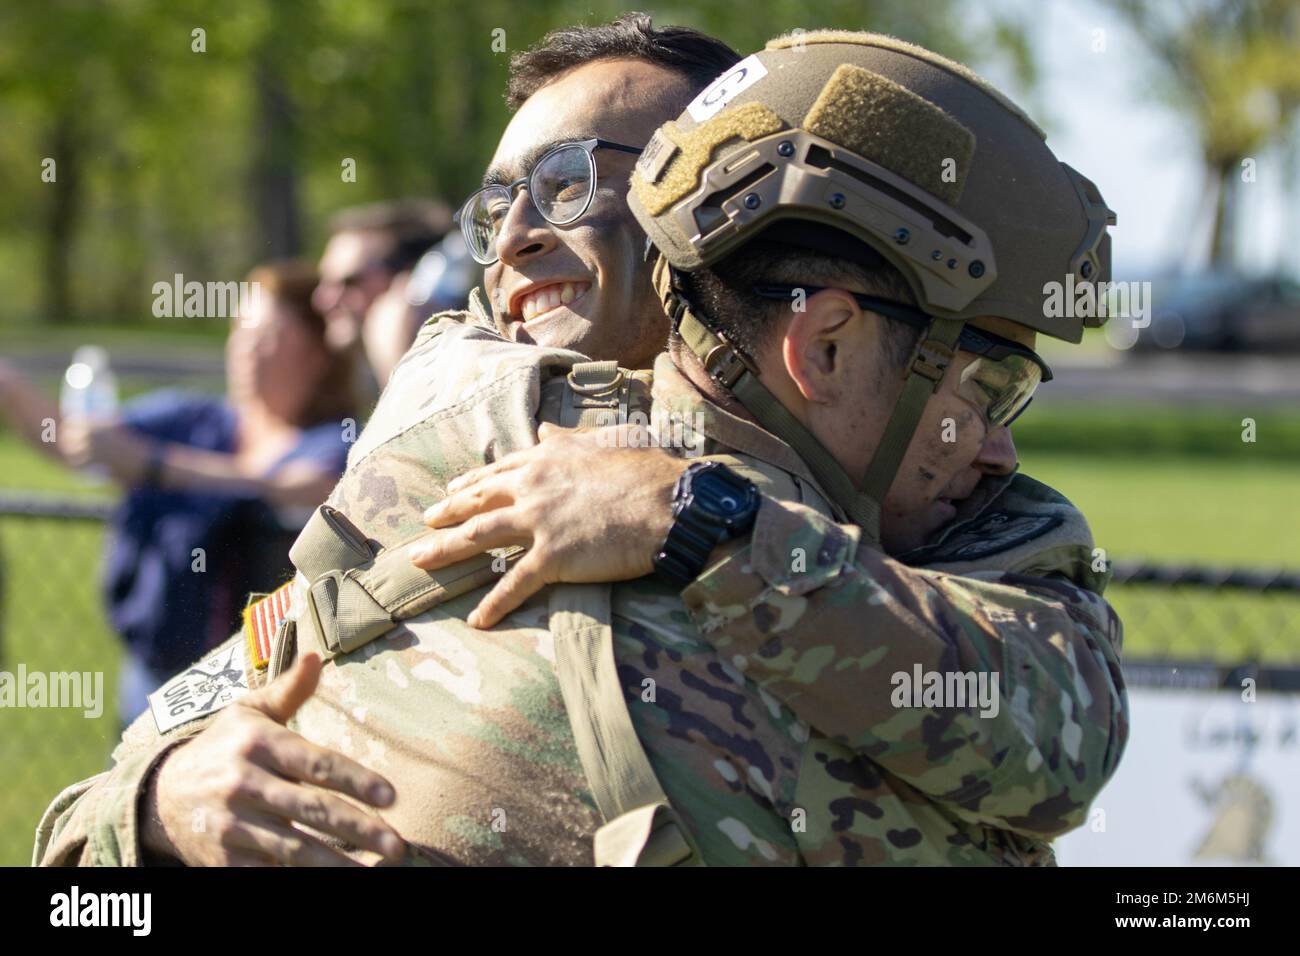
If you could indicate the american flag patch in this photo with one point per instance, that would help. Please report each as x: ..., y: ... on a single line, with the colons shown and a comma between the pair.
x: 261, y: 620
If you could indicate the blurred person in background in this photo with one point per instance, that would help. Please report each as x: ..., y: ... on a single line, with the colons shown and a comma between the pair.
x: 216, y: 488
x: 364, y: 273
x: 441, y: 280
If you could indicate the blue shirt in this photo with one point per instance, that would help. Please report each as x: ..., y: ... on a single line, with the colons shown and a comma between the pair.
x: 167, y: 601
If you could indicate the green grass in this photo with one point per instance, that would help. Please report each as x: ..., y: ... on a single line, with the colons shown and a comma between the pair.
x: 1198, y: 512
x: 1136, y: 431
x: 22, y: 468
x: 1177, y: 485
x: 1227, y: 628
x: 1182, y: 509
x: 53, y: 620
x: 153, y: 335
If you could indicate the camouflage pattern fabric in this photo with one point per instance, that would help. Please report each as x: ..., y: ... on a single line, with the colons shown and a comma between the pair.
x: 927, y: 784
x: 761, y: 694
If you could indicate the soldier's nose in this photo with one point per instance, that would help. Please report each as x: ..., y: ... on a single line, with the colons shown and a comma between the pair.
x: 524, y: 233
x: 997, y: 454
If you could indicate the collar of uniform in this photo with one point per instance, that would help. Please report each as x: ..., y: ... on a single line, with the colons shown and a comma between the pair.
x: 479, y: 310
x: 675, y: 395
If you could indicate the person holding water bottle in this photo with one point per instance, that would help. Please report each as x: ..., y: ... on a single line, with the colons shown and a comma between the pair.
x: 215, y: 488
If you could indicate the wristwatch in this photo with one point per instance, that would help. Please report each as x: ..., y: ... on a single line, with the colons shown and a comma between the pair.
x: 711, y: 504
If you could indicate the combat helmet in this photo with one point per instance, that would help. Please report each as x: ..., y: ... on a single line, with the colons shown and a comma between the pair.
x: 866, y: 147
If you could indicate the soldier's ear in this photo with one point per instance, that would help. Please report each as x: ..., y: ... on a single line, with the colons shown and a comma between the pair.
x: 817, y: 343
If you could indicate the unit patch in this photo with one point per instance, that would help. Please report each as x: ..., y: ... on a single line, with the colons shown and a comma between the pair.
x: 989, y: 534
x: 203, y: 689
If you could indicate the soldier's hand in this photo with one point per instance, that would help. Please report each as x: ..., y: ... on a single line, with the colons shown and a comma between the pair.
x: 590, y: 505
x: 234, y: 793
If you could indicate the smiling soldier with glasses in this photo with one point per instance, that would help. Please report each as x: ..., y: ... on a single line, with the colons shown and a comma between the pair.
x: 560, y: 185
x: 568, y: 273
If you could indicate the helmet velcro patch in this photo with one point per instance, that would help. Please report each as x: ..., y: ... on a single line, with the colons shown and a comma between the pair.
x: 893, y: 127
x: 695, y: 149
x: 801, y: 38
x: 883, y: 41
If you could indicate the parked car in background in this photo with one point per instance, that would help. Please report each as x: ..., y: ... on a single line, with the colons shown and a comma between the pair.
x: 1219, y: 311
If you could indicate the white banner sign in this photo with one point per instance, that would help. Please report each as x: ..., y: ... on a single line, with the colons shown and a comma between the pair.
x: 1207, y: 779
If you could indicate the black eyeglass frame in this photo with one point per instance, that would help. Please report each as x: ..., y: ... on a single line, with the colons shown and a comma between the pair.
x: 976, y: 341
x: 589, y: 146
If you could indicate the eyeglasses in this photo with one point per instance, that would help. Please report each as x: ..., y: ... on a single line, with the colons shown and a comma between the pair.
x: 1000, y: 382
x: 356, y: 277
x: 560, y: 186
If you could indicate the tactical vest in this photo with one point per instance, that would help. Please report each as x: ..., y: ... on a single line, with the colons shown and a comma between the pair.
x: 356, y: 591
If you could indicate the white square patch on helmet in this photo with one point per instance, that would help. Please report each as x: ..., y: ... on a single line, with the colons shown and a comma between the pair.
x: 722, y: 90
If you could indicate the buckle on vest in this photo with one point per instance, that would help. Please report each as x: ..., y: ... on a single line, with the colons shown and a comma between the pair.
x: 649, y: 835
x: 594, y: 385
x: 932, y: 361
x: 667, y: 846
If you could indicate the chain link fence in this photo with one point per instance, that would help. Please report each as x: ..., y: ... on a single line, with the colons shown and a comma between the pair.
x: 1195, y: 626
x: 52, y: 620
x: 1183, y: 626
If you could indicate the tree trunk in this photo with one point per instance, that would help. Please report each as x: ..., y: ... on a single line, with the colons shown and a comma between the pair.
x: 1222, y: 246
x: 275, y: 163
x: 64, y: 211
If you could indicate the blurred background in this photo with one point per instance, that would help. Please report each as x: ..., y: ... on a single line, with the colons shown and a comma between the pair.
x: 191, y: 140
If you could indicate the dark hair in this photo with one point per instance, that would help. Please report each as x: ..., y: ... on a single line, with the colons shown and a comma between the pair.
x: 412, y: 227
x: 290, y: 283
x: 696, y: 56
x: 725, y: 292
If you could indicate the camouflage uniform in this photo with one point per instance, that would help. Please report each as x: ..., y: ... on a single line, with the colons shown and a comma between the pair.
x: 929, y: 785
x: 471, y: 728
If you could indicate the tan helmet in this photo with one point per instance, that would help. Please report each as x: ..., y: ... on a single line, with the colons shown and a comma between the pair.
x: 897, y: 146
x: 906, y: 156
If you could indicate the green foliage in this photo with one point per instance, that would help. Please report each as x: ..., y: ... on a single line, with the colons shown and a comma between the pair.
x: 1230, y: 68
x: 169, y: 159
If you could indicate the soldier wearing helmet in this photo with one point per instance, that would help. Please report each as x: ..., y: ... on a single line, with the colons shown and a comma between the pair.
x: 853, y: 237
x: 880, y: 161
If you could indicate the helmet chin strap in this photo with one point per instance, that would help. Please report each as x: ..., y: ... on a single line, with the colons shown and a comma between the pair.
x: 731, y: 368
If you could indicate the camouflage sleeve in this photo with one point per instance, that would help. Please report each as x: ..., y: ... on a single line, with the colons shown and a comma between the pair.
x: 96, y: 822
x: 849, y: 639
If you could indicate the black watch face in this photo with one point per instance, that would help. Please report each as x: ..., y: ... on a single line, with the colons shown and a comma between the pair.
x: 717, y: 496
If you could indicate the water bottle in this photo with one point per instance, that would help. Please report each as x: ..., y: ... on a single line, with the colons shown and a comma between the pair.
x: 89, y: 391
